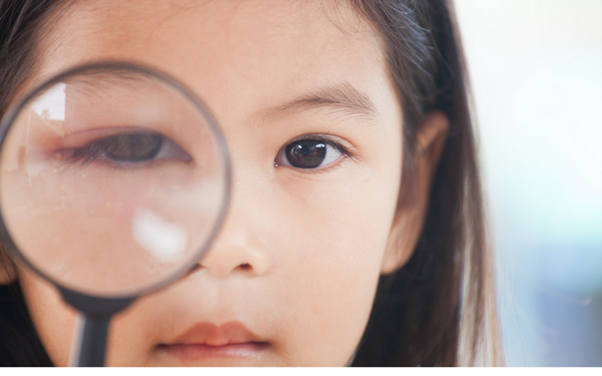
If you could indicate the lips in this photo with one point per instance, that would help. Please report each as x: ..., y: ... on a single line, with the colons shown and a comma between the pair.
x: 206, y: 340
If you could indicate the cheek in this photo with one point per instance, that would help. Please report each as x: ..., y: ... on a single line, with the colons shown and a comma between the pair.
x: 333, y: 237
x: 52, y: 318
x: 338, y: 224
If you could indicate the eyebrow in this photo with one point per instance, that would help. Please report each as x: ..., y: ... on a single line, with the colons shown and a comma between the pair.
x: 342, y: 98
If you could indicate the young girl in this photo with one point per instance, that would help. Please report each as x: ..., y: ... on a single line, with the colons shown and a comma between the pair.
x: 371, y: 252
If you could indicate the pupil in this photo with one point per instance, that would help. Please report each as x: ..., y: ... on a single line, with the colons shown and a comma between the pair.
x: 306, y: 153
x: 131, y: 147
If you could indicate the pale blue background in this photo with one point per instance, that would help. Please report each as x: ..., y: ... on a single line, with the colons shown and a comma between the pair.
x: 536, y: 69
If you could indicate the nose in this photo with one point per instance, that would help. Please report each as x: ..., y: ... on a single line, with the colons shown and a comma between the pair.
x: 237, y: 249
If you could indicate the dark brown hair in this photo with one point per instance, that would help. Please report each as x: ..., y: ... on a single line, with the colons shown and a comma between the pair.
x: 439, y: 308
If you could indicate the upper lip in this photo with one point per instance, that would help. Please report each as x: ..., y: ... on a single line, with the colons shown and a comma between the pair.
x: 206, y: 333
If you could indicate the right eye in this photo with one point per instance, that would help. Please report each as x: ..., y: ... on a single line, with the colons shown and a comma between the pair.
x: 128, y: 148
x: 309, y: 154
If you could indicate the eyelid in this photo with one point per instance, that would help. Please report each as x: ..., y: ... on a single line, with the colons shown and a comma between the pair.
x: 85, y: 137
x: 327, y: 139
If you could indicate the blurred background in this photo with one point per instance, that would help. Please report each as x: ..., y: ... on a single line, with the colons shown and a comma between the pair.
x: 536, y: 70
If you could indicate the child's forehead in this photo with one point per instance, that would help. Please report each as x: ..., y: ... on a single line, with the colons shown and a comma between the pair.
x: 252, y: 52
x: 254, y: 31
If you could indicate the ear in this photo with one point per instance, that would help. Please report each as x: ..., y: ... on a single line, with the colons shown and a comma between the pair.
x: 8, y: 270
x: 409, y: 216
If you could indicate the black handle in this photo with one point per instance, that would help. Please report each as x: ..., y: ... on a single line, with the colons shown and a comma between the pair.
x: 93, y: 340
x: 96, y: 313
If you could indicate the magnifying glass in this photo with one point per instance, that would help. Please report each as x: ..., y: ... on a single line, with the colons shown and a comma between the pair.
x: 114, y: 180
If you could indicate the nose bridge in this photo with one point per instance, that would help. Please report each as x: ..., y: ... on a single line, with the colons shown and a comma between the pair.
x: 239, y: 247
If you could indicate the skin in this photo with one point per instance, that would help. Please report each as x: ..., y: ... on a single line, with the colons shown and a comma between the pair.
x: 299, y: 256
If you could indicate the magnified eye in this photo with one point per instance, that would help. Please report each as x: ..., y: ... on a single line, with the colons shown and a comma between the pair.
x: 130, y: 147
x: 308, y: 154
x: 134, y: 147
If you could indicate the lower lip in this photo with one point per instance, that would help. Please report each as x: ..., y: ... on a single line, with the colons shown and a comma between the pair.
x: 200, y: 351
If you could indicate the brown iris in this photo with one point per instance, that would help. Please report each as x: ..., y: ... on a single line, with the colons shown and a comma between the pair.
x: 306, y: 153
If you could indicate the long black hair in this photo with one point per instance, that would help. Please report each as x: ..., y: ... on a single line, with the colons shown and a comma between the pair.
x: 439, y: 308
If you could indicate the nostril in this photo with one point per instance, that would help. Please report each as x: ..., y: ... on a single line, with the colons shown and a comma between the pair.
x: 245, y: 266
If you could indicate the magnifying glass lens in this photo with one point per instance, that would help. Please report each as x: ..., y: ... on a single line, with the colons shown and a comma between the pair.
x: 111, y: 182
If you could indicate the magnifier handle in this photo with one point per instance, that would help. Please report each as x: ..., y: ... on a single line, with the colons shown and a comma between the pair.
x: 95, y: 314
x: 93, y: 340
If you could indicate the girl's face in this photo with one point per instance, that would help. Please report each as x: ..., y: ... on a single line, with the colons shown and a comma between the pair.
x: 292, y: 275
